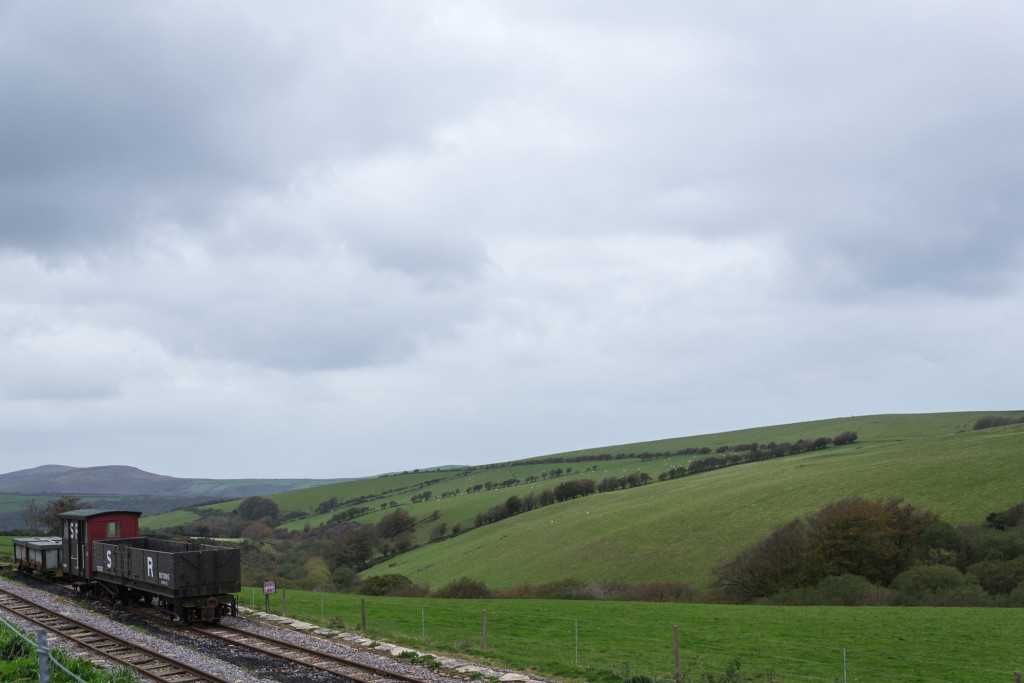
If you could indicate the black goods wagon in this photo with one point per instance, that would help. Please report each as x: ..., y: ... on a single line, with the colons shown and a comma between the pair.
x: 193, y: 581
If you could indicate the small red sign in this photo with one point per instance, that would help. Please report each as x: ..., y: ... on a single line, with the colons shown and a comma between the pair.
x: 269, y: 587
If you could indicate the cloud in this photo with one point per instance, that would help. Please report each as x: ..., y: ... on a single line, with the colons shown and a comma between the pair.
x: 451, y: 234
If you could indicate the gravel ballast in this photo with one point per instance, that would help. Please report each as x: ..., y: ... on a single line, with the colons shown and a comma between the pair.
x: 234, y: 662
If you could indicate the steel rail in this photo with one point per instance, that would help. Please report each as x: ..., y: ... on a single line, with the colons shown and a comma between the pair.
x: 142, y: 659
x: 335, y: 664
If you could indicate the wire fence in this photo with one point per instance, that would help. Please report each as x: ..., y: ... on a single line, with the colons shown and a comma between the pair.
x: 43, y: 651
x: 537, y: 633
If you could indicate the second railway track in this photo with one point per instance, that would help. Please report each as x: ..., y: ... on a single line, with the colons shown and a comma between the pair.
x: 146, y: 661
x: 346, y: 668
x: 284, y: 656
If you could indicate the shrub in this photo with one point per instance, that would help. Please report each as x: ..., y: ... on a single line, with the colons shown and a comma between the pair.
x: 937, y: 586
x: 845, y: 438
x: 666, y: 592
x: 1016, y: 597
x: 464, y: 588
x: 848, y: 589
x: 345, y: 578
x: 568, y: 589
x: 998, y: 576
x: 383, y: 584
x: 989, y: 544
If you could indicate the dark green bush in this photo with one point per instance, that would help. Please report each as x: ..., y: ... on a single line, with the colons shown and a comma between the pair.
x: 848, y: 589
x: 998, y: 576
x: 463, y: 588
x: 383, y: 584
x: 937, y: 585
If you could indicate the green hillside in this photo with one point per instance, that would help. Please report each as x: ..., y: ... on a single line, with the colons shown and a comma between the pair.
x: 680, y: 529
x: 676, y: 530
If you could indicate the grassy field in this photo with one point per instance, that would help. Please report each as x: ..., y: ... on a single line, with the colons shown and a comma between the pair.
x: 679, y: 530
x: 676, y: 530
x: 605, y: 641
x: 6, y: 548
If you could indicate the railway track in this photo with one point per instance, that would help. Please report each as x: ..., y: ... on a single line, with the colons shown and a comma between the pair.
x: 340, y: 666
x: 138, y: 658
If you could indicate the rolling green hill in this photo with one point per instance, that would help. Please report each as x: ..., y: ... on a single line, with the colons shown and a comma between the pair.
x: 676, y: 530
x: 680, y: 529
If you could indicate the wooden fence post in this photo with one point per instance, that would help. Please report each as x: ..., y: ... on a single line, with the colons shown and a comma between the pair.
x: 675, y: 649
x: 1016, y: 677
x: 485, y: 631
x: 283, y: 595
x: 364, y: 613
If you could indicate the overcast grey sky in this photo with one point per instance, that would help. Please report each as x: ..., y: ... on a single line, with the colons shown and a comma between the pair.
x: 257, y: 239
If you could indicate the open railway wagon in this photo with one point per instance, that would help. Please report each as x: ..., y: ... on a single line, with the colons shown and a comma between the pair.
x: 192, y: 580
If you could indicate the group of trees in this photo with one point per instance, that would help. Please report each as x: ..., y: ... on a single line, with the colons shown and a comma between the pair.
x: 352, y: 547
x: 858, y: 551
x: 998, y: 421
x: 258, y: 507
x: 514, y: 505
x: 627, y: 482
x: 844, y: 438
x: 754, y: 452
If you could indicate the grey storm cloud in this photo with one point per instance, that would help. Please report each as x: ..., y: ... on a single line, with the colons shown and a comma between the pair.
x: 118, y: 119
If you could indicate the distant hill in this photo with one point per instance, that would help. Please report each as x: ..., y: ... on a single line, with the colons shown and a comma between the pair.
x: 124, y: 480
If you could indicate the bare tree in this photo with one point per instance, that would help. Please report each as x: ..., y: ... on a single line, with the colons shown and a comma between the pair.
x: 49, y: 515
x: 30, y: 513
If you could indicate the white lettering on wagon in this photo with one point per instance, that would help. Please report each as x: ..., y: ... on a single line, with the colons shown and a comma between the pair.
x: 110, y: 562
x: 149, y: 567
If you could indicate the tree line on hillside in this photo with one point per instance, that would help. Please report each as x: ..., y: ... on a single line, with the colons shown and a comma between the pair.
x: 841, y: 440
x: 514, y: 505
x: 754, y: 452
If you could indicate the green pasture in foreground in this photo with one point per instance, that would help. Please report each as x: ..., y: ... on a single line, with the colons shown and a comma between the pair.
x: 606, y: 641
x: 680, y: 529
